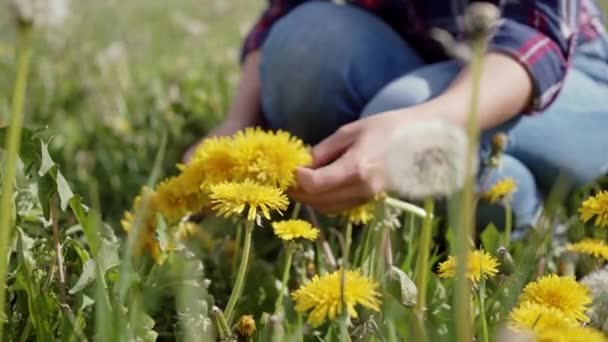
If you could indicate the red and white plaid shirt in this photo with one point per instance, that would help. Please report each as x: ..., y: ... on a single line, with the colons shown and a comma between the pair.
x: 541, y: 35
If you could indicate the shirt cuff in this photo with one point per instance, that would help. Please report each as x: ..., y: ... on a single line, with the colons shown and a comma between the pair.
x: 254, y: 41
x: 542, y: 57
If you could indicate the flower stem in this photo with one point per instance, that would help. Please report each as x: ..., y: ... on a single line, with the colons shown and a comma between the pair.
x: 12, y: 146
x: 422, y: 266
x: 221, y: 323
x: 508, y: 224
x: 296, y: 210
x: 237, y: 239
x: 237, y: 289
x: 482, y: 310
x: 288, y: 257
x: 345, y: 255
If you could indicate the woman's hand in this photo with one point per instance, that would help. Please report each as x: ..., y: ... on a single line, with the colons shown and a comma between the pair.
x: 348, y: 166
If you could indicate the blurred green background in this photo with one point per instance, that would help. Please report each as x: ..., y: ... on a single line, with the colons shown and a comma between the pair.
x: 120, y: 74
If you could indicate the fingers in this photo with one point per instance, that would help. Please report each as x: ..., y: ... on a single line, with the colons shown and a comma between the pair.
x: 335, y: 201
x: 334, y: 145
x: 323, y: 179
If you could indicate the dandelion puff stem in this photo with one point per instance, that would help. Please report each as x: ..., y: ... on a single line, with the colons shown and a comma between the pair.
x: 288, y: 258
x: 12, y: 146
x: 237, y: 289
x: 408, y: 207
x: 422, y: 266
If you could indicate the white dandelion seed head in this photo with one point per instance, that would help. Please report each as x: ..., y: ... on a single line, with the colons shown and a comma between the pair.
x: 597, y: 282
x: 427, y: 159
x: 41, y: 13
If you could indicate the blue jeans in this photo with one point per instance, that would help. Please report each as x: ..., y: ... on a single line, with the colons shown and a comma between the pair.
x: 325, y: 65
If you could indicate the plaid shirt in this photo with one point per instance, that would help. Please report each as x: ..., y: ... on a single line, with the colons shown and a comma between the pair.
x: 541, y: 35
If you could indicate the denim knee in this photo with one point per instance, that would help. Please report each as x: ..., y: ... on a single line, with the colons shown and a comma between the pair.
x: 322, y: 63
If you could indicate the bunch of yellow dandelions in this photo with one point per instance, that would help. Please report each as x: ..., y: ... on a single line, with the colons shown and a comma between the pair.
x: 244, y: 177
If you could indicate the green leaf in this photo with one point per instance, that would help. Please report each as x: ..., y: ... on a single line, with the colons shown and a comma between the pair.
x: 401, y: 286
x: 86, y: 277
x: 47, y: 162
x: 108, y: 255
x: 64, y: 191
x: 86, y: 302
x: 490, y: 238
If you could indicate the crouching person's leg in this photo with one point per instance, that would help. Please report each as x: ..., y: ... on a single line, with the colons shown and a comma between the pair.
x: 322, y: 63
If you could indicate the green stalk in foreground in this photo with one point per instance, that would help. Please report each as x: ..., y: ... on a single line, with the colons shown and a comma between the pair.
x: 422, y: 265
x: 240, y: 277
x: 482, y: 310
x: 288, y: 258
x: 508, y: 224
x: 462, y: 292
x: 12, y: 146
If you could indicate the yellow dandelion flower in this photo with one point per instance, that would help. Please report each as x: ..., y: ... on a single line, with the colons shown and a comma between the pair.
x: 233, y: 198
x: 246, y: 326
x: 538, y: 317
x: 322, y: 296
x: 570, y: 334
x: 214, y: 161
x: 562, y: 293
x: 270, y: 158
x: 177, y: 196
x: 504, y: 188
x: 295, y: 229
x: 596, y: 206
x: 361, y: 214
x: 148, y: 241
x: 480, y: 264
x: 593, y: 247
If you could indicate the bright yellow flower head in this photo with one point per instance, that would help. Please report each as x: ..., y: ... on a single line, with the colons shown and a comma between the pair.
x: 233, y: 198
x: 562, y: 293
x: 246, y: 326
x: 147, y: 230
x: 571, y: 334
x: 177, y: 196
x: 504, y: 188
x: 213, y: 161
x: 538, y: 317
x: 480, y: 264
x: 295, y: 229
x: 269, y: 158
x: 593, y: 247
x: 322, y: 296
x: 596, y: 206
x: 361, y: 214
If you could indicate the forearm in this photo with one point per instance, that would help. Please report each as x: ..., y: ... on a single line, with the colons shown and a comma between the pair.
x: 505, y: 91
x: 246, y: 107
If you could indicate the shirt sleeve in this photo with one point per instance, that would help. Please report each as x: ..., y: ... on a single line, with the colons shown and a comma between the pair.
x: 540, y: 35
x: 275, y: 10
